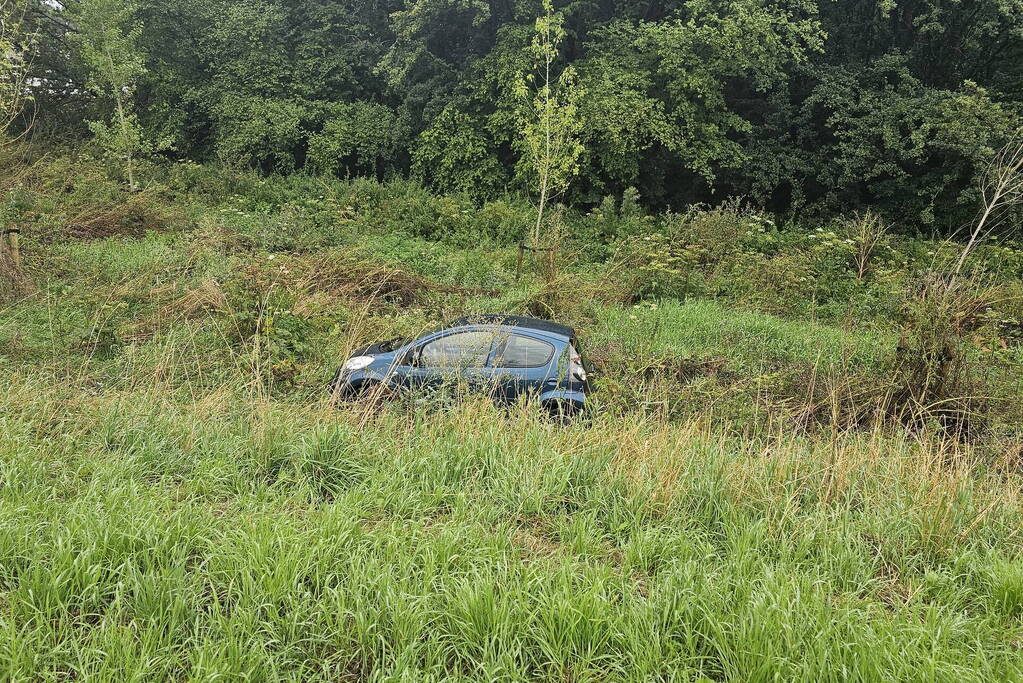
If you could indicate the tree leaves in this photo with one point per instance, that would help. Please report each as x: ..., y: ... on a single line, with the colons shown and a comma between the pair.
x: 816, y: 106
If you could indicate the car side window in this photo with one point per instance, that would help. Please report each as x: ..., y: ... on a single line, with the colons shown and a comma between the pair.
x: 524, y: 352
x: 459, y: 350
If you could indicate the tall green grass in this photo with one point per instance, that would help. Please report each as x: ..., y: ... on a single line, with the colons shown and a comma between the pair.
x: 234, y: 537
x: 752, y: 342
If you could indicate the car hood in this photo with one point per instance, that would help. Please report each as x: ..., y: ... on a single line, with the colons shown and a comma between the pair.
x: 380, y: 348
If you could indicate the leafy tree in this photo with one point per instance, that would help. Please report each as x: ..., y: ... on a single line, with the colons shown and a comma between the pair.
x: 435, y: 43
x: 360, y: 137
x: 683, y: 86
x: 253, y: 81
x: 107, y: 37
x: 901, y: 110
x: 455, y: 154
x: 550, y: 123
x: 14, y: 44
x: 262, y: 130
x: 894, y: 143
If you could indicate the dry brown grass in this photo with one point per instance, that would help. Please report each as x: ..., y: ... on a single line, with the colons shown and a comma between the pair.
x: 133, y: 216
x: 349, y: 275
x: 205, y: 299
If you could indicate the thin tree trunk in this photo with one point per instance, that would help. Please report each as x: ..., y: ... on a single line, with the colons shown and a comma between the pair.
x: 545, y: 164
x: 976, y: 233
x: 126, y: 140
x: 1005, y: 183
x: 123, y: 123
x: 539, y: 212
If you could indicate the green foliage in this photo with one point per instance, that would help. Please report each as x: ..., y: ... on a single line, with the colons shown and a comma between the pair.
x: 913, y: 148
x: 260, y: 131
x: 108, y: 37
x: 454, y: 156
x: 549, y: 120
x: 16, y: 45
x: 359, y: 138
x: 181, y: 499
x: 684, y: 251
x: 449, y: 244
x: 809, y: 108
x: 170, y: 517
x: 598, y: 234
x: 236, y: 537
x: 690, y: 61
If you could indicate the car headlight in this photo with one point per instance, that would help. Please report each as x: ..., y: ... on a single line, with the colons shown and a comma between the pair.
x: 575, y: 365
x: 357, y: 363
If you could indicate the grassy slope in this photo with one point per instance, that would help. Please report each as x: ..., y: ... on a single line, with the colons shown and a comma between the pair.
x: 235, y: 536
x: 168, y: 512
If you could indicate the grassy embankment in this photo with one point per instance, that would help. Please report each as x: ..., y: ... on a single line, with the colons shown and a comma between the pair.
x: 178, y: 499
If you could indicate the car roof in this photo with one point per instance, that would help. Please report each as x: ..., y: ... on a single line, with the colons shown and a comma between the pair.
x: 521, y: 321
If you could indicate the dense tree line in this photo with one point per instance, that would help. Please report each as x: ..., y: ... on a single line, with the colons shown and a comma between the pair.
x: 800, y: 105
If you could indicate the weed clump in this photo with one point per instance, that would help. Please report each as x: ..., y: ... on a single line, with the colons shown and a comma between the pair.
x: 937, y: 374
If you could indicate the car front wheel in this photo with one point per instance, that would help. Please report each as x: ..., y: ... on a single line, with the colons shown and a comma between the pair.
x: 560, y: 410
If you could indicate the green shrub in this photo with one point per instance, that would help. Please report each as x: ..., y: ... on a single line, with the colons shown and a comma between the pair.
x: 273, y: 337
x: 597, y: 234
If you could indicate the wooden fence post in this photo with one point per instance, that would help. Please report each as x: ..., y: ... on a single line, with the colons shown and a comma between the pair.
x: 13, y: 235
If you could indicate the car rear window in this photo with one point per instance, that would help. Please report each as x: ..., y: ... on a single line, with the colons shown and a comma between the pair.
x: 525, y: 352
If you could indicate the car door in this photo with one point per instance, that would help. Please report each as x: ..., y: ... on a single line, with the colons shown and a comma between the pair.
x: 522, y: 365
x: 450, y: 358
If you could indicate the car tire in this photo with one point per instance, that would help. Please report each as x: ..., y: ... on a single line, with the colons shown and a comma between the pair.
x: 344, y: 393
x: 561, y: 411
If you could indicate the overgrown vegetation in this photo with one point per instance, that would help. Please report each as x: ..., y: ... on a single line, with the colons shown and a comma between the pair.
x: 234, y: 537
x: 777, y: 480
x: 787, y: 231
x: 321, y: 251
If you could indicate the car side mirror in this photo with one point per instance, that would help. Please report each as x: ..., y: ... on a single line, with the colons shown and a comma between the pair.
x: 413, y: 357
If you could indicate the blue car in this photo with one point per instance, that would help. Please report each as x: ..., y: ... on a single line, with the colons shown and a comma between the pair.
x: 507, y: 356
